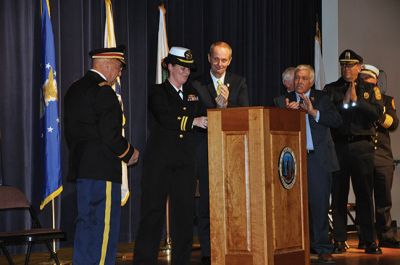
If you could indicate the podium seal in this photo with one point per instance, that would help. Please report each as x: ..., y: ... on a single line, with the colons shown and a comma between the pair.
x: 287, y: 168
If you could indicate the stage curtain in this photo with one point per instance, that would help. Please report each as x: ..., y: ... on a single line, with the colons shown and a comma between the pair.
x: 266, y: 36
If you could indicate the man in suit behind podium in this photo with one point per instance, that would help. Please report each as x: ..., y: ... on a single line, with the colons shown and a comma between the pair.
x: 217, y: 89
x: 287, y: 81
x: 321, y: 156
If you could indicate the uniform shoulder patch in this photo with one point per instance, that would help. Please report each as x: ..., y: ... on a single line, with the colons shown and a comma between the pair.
x: 393, y: 105
x: 104, y: 83
x: 377, y: 92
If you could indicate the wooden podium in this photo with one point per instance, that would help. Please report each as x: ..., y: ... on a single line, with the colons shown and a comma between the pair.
x: 255, y: 220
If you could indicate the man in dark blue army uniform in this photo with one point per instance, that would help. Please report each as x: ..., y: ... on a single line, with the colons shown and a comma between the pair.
x: 169, y: 162
x: 93, y: 127
x: 360, y: 105
x: 384, y: 168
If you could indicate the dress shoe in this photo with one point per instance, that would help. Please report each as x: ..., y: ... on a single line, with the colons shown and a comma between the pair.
x: 325, y: 258
x: 206, y: 260
x: 372, y: 248
x: 339, y: 247
x: 389, y: 243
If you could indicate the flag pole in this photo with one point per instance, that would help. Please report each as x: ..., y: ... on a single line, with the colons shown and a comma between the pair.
x: 49, y: 119
x: 53, y: 216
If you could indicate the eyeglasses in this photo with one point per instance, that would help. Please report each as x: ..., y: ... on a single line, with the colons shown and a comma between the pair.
x: 347, y: 65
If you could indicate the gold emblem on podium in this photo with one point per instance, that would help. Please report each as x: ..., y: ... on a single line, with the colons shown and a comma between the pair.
x: 287, y: 168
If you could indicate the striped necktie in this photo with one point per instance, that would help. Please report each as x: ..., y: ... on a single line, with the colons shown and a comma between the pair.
x: 219, y: 82
x: 309, y: 141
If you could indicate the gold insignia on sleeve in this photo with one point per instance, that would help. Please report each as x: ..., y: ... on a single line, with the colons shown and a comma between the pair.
x: 183, y: 123
x: 377, y: 93
x: 387, y: 122
x: 366, y: 95
x: 393, y: 105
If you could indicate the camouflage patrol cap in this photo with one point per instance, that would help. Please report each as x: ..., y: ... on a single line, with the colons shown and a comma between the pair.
x: 350, y: 57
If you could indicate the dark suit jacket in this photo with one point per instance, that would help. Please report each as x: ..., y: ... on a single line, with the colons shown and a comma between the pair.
x: 172, y: 118
x: 279, y: 101
x: 387, y: 123
x: 93, y: 126
x: 238, y: 92
x: 320, y: 131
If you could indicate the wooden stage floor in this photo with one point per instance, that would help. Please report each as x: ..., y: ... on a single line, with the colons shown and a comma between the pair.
x: 353, y: 256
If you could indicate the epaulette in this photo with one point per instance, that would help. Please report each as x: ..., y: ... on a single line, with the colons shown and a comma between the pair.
x: 104, y: 83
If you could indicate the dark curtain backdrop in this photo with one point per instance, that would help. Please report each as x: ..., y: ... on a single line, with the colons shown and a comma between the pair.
x: 266, y: 36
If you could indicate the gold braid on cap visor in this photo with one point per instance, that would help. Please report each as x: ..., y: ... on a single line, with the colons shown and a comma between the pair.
x: 185, y: 61
x: 110, y: 55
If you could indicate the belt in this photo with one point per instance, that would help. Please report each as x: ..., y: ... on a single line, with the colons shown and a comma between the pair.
x: 353, y: 138
x: 310, y: 151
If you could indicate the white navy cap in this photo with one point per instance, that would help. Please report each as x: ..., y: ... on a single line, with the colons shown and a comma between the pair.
x: 181, y: 56
x: 370, y: 70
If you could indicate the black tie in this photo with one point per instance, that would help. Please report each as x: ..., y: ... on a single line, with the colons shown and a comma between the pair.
x: 180, y: 92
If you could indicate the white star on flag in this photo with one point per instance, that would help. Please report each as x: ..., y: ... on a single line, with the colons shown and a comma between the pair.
x: 50, y: 129
x: 48, y: 65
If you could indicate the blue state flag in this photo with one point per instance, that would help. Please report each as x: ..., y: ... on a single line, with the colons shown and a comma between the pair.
x: 49, y: 118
